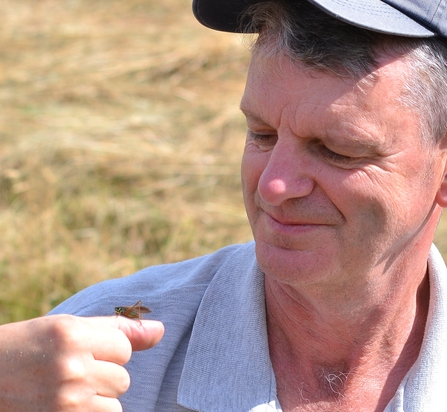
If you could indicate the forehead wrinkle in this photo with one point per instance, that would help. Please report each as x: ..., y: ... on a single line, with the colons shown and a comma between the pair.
x: 313, y: 111
x: 314, y: 120
x: 254, y: 110
x: 353, y: 115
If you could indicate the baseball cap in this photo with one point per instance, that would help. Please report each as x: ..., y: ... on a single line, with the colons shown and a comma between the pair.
x: 412, y: 18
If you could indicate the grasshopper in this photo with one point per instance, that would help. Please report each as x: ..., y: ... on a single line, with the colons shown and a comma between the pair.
x: 132, y: 312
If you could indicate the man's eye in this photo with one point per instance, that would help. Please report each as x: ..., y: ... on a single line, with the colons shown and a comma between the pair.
x: 335, y: 157
x: 260, y: 136
x: 263, y: 140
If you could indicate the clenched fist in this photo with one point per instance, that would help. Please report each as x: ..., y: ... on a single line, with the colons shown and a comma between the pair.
x: 68, y: 363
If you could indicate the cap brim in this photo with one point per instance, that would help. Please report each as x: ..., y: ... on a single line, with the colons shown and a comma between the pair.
x: 224, y: 15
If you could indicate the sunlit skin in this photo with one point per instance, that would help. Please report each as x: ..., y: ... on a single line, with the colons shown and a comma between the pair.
x: 343, y: 199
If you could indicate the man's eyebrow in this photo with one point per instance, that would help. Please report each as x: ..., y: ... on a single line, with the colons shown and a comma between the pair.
x: 250, y: 115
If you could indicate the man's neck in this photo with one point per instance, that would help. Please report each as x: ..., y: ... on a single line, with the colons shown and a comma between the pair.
x: 324, y: 352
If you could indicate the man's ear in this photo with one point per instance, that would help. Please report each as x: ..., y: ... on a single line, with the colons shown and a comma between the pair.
x: 441, y: 196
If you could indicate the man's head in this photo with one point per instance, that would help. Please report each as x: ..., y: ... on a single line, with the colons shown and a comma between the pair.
x: 337, y: 181
x: 344, y: 164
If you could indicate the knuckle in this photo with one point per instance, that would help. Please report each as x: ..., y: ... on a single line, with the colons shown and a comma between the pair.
x: 73, y: 369
x: 71, y: 399
x: 65, y: 332
x: 123, y: 381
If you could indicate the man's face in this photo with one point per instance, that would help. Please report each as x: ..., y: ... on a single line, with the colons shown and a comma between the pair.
x: 336, y: 179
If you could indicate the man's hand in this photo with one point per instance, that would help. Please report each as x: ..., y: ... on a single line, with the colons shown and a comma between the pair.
x: 68, y: 363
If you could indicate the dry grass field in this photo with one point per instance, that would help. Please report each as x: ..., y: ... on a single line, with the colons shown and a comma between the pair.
x: 120, y: 140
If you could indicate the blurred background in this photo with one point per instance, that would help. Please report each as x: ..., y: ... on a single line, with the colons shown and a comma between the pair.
x: 120, y: 142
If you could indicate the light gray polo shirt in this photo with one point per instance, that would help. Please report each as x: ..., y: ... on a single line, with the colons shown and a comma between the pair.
x: 214, y: 356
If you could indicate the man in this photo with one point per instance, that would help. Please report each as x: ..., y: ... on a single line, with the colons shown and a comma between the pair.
x: 340, y: 302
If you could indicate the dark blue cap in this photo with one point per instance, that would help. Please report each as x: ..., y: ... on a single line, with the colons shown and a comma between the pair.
x: 412, y: 18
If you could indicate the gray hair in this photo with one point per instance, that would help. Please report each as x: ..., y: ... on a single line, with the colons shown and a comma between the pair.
x: 323, y: 43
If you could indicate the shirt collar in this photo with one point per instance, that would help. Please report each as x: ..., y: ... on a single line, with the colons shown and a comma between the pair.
x: 227, y: 366
x: 424, y: 389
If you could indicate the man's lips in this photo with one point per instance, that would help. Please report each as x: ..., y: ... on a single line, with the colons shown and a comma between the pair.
x: 295, y: 221
x: 280, y: 226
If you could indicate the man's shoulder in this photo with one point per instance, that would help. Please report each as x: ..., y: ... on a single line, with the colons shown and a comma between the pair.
x: 184, y: 281
x: 195, y: 271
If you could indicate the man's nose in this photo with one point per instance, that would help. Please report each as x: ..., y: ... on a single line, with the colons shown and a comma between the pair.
x: 288, y: 173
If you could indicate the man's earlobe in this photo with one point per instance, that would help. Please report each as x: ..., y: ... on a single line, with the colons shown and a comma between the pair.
x: 441, y: 197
